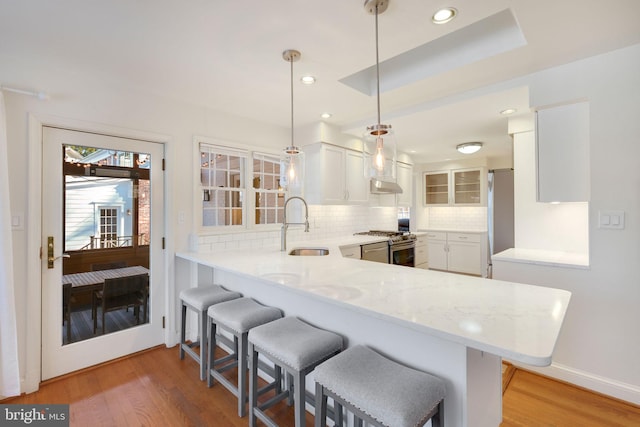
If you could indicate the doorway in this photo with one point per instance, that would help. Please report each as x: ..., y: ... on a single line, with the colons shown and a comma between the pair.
x: 102, y: 225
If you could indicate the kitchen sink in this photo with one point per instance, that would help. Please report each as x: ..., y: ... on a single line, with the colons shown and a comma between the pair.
x: 309, y: 252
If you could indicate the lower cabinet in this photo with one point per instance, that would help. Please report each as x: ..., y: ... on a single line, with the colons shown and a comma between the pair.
x: 421, y: 259
x: 457, y: 252
x: 353, y: 251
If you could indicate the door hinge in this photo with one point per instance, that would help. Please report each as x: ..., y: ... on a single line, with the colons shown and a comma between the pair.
x: 163, y: 243
x: 163, y: 322
x: 163, y: 164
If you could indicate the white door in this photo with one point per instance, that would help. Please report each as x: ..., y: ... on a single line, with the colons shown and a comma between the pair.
x: 58, y: 357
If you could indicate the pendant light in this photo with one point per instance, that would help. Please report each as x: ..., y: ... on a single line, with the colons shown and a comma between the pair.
x: 292, y: 158
x: 379, y: 148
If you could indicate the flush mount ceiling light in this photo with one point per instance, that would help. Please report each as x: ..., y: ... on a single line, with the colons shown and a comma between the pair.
x: 308, y: 80
x: 444, y: 15
x: 379, y: 148
x: 469, y: 147
x: 508, y: 111
x: 326, y: 115
x: 292, y: 158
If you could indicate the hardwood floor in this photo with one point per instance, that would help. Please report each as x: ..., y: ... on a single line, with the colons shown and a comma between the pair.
x: 156, y: 388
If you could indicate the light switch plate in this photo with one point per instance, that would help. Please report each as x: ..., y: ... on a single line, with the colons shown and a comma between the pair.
x: 611, y: 220
x: 17, y: 221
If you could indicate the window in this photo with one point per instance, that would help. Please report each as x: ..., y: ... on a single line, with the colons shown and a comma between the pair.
x: 108, y: 231
x: 269, y: 196
x: 238, y: 187
x: 106, y: 199
x: 222, y: 172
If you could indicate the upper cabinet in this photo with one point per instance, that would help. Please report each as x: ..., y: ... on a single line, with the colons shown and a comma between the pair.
x: 334, y: 175
x: 459, y: 187
x: 436, y: 188
x: 562, y: 153
x: 404, y: 174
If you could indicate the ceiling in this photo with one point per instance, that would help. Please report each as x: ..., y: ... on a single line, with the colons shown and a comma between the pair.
x: 227, y: 55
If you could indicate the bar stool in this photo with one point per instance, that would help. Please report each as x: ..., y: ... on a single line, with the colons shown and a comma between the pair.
x: 297, y: 348
x: 379, y: 391
x: 199, y: 300
x: 237, y: 316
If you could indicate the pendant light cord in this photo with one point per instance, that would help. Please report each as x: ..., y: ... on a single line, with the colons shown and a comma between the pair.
x: 377, y: 66
x: 291, y: 60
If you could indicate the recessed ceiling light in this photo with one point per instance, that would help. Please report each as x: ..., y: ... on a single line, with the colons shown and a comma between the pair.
x: 508, y: 111
x: 308, y: 80
x: 444, y: 15
x: 326, y: 115
x: 469, y: 147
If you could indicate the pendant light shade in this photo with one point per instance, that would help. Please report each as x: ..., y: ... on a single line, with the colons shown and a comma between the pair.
x: 292, y: 158
x: 379, y: 147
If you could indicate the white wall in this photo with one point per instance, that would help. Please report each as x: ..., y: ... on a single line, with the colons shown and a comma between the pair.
x: 599, y: 346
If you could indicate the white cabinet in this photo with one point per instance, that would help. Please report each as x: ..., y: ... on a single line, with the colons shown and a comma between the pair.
x: 437, y: 250
x: 457, y: 252
x: 458, y: 187
x: 356, y: 185
x: 334, y: 175
x: 421, y: 258
x: 404, y: 174
x: 562, y: 153
x: 353, y: 251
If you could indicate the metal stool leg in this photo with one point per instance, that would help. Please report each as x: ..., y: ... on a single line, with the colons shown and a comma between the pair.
x: 299, y: 398
x: 183, y: 333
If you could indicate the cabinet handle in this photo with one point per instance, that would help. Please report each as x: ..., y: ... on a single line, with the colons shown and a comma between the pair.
x: 462, y: 237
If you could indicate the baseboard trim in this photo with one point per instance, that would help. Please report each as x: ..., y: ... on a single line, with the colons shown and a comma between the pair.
x: 616, y: 389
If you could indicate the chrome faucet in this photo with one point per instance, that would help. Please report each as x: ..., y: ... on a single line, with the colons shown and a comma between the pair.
x: 285, y: 224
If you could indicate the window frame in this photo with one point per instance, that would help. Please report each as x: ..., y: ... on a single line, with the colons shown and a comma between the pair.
x: 273, y: 158
x: 248, y: 205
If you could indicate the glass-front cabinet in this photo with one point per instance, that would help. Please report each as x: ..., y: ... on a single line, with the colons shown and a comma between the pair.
x: 466, y: 187
x: 436, y: 188
x: 455, y: 187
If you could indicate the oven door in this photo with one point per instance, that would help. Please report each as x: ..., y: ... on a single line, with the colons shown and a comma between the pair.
x: 403, y: 253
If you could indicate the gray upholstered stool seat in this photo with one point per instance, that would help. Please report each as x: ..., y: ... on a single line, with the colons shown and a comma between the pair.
x: 297, y: 348
x: 378, y: 390
x: 237, y: 316
x: 200, y: 299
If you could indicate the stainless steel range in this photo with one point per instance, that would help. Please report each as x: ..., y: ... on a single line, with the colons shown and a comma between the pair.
x: 399, y: 248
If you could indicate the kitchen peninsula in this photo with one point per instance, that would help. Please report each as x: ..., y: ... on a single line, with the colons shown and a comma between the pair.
x: 455, y: 326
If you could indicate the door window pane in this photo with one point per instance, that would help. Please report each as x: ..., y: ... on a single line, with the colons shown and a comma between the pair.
x: 107, y: 231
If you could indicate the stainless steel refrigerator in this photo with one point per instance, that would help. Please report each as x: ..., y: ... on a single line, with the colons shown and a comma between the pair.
x: 500, y: 213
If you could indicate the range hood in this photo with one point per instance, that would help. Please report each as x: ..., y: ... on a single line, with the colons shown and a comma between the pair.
x: 384, y: 187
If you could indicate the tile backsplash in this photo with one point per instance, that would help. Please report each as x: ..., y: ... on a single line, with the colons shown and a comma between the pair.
x: 458, y: 218
x: 325, y: 222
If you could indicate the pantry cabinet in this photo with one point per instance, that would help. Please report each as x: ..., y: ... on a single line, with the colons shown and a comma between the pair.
x: 334, y: 175
x: 458, y: 187
x: 459, y: 252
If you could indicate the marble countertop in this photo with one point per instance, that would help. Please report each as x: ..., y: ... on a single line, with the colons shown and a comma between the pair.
x: 543, y: 257
x: 515, y: 321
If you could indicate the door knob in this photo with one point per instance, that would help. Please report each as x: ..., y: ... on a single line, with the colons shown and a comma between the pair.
x: 50, y: 257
